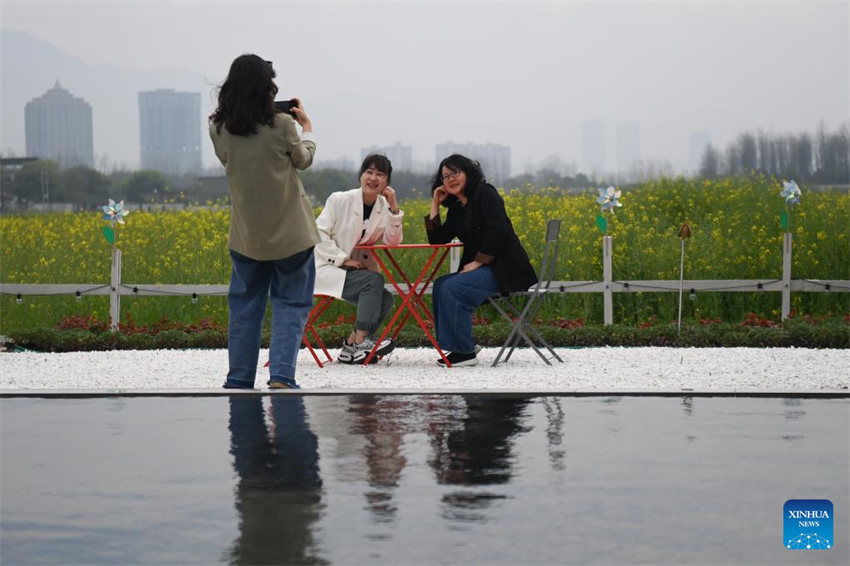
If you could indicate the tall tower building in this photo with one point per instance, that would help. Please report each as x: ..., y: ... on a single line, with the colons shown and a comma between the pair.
x: 495, y: 159
x: 628, y: 145
x: 697, y: 142
x: 593, y: 147
x: 401, y: 156
x: 59, y: 127
x: 170, y: 131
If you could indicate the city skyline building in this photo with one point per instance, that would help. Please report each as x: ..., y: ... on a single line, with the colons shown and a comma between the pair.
x: 697, y: 142
x: 593, y: 147
x: 58, y: 126
x: 495, y: 159
x: 170, y: 131
x: 628, y: 146
x: 400, y: 155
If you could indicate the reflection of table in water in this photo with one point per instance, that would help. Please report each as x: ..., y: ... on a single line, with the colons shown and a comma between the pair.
x: 410, y: 293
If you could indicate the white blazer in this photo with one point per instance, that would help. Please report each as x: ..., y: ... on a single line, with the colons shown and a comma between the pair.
x: 340, y: 227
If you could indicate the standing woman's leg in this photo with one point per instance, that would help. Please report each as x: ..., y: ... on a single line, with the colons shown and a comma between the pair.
x: 246, y: 299
x: 292, y: 298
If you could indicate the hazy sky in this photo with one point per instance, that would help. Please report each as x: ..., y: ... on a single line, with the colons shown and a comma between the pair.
x: 521, y: 74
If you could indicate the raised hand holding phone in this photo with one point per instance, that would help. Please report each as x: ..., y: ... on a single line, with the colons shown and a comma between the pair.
x: 297, y: 111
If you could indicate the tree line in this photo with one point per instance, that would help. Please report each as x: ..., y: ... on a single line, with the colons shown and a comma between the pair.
x: 43, y: 180
x: 820, y: 158
x: 86, y: 188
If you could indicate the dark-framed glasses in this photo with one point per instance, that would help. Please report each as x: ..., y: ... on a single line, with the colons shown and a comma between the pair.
x: 450, y: 175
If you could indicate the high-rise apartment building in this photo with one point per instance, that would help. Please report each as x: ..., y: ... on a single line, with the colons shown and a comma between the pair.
x: 59, y: 127
x: 495, y: 159
x: 628, y: 146
x: 401, y: 156
x: 697, y: 143
x: 593, y: 147
x: 170, y: 131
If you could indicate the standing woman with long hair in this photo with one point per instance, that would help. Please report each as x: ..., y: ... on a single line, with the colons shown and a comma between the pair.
x: 272, y: 227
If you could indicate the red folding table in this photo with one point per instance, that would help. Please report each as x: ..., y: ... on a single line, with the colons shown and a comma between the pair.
x: 410, y: 293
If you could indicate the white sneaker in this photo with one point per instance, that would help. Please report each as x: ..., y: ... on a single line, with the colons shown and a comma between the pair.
x: 356, y: 353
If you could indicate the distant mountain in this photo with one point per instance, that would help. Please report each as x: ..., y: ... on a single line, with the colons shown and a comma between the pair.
x: 29, y: 67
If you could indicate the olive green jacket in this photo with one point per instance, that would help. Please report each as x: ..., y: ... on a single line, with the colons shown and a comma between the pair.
x: 270, y: 216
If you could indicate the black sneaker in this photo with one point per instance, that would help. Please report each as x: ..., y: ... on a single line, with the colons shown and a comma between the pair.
x: 458, y: 360
x: 477, y: 351
x: 356, y: 353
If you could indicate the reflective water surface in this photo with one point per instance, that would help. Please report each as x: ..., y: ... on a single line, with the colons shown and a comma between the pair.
x: 417, y: 479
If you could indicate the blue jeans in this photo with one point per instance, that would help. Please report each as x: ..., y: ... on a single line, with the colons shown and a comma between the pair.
x: 455, y: 296
x: 290, y: 282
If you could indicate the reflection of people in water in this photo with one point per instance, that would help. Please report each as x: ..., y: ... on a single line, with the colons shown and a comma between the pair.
x: 479, y: 453
x: 381, y: 421
x: 555, y: 431
x: 278, y: 496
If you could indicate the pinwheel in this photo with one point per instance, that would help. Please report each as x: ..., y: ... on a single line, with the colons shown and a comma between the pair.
x: 113, y: 213
x: 790, y: 192
x: 608, y: 199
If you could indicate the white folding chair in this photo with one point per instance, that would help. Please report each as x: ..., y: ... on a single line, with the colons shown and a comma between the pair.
x: 521, y: 319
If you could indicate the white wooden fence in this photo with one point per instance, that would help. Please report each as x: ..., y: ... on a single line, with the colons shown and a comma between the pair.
x: 607, y: 286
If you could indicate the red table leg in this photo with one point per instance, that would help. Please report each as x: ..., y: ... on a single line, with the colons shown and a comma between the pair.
x: 421, y: 291
x: 411, y: 300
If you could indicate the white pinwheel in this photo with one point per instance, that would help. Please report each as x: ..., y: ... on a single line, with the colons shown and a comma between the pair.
x: 791, y: 193
x: 608, y: 199
x: 115, y: 212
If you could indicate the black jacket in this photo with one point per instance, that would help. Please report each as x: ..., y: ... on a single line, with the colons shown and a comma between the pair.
x: 487, y: 235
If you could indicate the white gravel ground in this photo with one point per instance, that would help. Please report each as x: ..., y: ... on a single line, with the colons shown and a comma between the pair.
x: 584, y: 369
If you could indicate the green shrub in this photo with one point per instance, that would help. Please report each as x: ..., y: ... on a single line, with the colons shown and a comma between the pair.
x: 797, y: 332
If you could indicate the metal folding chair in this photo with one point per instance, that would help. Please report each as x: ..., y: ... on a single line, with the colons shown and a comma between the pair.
x: 521, y: 319
x: 324, y: 301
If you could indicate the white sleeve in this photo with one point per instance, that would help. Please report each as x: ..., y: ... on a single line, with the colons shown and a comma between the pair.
x: 327, y: 250
x: 394, y: 227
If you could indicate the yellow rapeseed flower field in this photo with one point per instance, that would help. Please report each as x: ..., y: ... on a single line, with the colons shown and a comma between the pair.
x: 735, y: 224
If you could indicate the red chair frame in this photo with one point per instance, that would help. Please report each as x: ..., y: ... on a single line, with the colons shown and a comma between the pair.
x: 324, y: 301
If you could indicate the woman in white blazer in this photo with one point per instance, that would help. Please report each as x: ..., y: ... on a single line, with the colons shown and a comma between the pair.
x: 368, y: 214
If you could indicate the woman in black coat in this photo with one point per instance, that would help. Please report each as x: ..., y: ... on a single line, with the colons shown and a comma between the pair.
x: 493, y: 259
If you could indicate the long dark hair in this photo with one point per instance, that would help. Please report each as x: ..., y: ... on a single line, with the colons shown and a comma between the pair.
x: 246, y: 99
x: 458, y: 162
